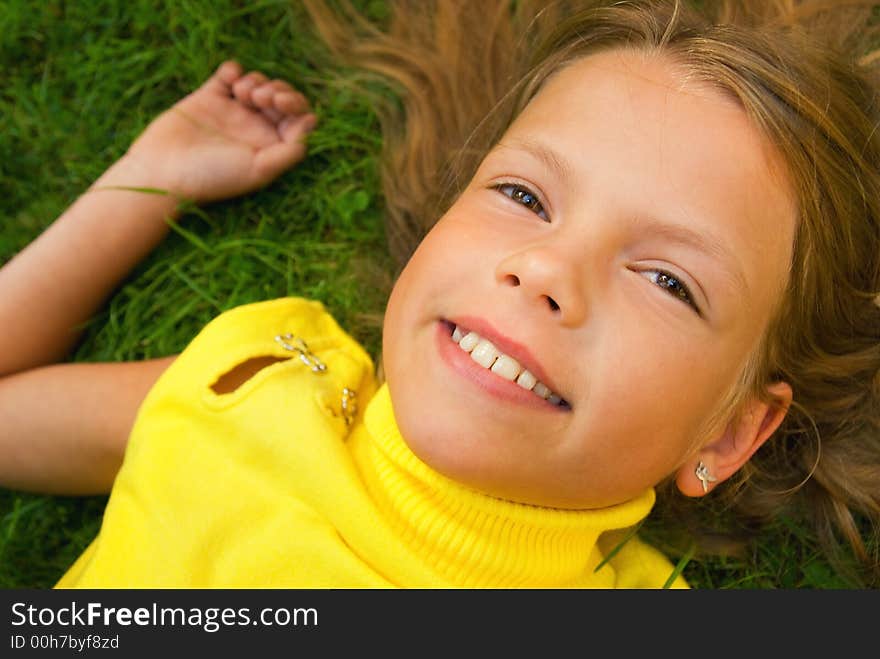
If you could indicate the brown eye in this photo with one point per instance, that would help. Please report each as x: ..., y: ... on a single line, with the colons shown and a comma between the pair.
x: 522, y: 195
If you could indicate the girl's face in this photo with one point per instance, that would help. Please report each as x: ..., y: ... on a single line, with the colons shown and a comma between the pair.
x: 625, y: 243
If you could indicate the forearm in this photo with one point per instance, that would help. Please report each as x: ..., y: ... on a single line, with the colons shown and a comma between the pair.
x: 65, y: 427
x: 49, y: 289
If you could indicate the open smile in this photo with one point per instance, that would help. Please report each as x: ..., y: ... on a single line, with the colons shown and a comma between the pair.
x: 499, y: 374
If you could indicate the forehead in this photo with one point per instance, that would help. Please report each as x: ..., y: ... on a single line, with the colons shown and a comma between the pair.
x: 645, y: 102
x: 635, y: 128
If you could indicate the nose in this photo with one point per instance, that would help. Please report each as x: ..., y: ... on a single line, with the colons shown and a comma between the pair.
x: 547, y: 279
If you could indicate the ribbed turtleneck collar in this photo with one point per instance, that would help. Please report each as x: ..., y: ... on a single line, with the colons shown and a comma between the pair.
x: 474, y: 540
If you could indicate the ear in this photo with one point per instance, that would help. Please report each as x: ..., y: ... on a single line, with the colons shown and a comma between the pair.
x: 725, y: 454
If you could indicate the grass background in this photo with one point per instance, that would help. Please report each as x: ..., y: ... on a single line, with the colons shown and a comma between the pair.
x: 80, y: 80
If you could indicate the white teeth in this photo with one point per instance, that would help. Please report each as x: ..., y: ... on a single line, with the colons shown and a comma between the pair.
x: 541, y: 390
x: 469, y: 341
x: 526, y: 380
x: 506, y: 367
x: 484, y: 353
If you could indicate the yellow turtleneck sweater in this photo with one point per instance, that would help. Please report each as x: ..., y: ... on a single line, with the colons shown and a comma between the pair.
x: 273, y: 486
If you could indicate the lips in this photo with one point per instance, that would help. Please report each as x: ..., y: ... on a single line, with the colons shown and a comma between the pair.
x: 497, y: 362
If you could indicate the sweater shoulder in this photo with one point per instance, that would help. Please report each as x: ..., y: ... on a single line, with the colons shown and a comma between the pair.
x: 638, y: 564
x: 279, y: 329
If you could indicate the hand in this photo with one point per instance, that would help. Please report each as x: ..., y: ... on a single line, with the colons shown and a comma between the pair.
x: 232, y: 135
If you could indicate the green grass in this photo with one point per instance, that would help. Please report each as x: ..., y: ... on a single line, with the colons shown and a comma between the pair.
x: 81, y: 79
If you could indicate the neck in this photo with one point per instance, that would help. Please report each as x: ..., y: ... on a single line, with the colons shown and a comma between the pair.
x: 471, y: 539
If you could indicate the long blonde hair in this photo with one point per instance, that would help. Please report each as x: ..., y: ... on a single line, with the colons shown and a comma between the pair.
x: 804, y: 74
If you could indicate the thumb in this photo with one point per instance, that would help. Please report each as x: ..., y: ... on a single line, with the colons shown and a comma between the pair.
x: 271, y: 161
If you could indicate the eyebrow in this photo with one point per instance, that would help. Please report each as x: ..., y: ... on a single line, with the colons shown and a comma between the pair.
x: 683, y: 235
x: 552, y: 160
x: 676, y: 233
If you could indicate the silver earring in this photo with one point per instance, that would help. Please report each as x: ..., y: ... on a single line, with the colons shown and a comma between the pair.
x: 702, y: 472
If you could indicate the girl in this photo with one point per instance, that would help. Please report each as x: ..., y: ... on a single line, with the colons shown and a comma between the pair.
x: 651, y: 268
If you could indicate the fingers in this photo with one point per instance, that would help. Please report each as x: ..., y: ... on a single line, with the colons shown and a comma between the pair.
x: 276, y: 99
x: 292, y: 129
x: 224, y: 77
x: 273, y: 160
x: 229, y: 72
x: 245, y: 85
x: 287, y: 110
x: 276, y: 96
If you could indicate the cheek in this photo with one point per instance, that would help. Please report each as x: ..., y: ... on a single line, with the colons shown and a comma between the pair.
x: 657, y: 389
x: 412, y: 300
x: 438, y: 267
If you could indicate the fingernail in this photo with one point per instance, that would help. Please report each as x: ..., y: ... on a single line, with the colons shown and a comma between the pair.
x: 309, y: 123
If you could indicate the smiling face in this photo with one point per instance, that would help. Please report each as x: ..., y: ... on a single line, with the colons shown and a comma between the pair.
x: 625, y: 242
